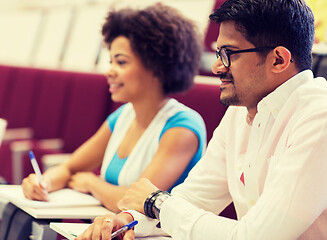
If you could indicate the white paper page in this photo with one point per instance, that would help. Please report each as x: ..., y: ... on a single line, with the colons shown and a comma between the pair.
x: 71, y: 230
x: 61, y: 198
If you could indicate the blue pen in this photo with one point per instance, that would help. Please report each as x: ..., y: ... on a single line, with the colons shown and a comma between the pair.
x: 124, y: 229
x: 35, y: 166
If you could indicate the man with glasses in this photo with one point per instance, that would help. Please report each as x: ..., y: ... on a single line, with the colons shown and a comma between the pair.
x: 268, y: 155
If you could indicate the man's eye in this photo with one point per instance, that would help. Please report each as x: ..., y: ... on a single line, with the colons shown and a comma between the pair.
x: 227, y: 51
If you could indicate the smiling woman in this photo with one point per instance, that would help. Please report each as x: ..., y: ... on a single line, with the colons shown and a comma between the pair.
x: 153, y: 52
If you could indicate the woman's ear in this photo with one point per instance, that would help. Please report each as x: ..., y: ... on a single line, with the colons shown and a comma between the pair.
x: 281, y: 59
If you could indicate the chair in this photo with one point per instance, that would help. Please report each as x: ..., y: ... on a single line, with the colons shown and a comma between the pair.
x: 3, y: 126
x: 204, y: 98
x: 16, y: 224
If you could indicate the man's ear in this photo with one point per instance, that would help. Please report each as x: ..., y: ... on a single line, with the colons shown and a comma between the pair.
x: 280, y: 59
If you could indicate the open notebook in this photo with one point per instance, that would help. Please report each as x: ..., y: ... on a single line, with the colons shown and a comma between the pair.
x: 58, y: 199
x: 71, y: 230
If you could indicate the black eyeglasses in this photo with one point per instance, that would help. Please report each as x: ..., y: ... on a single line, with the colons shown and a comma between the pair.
x: 225, y: 54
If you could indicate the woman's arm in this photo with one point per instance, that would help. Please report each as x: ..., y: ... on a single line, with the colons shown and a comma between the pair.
x: 87, y: 157
x: 176, y: 148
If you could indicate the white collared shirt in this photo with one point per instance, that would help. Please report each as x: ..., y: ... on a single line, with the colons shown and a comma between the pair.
x: 283, y: 156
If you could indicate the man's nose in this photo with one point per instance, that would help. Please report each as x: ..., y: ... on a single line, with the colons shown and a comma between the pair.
x: 218, y: 66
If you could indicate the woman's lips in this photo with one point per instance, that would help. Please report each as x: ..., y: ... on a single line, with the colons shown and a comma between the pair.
x: 114, y: 87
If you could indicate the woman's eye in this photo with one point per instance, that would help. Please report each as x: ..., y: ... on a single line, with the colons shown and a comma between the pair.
x: 121, y: 62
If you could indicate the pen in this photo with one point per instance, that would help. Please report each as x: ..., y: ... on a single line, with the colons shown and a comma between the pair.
x: 124, y: 229
x: 35, y: 166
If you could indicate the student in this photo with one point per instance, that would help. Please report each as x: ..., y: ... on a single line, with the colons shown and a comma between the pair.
x: 154, y: 52
x: 268, y: 154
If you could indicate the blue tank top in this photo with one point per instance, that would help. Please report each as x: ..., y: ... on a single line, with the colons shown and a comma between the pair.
x: 186, y: 119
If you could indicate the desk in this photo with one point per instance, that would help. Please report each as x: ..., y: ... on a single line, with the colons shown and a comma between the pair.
x: 41, y: 229
x: 320, y: 51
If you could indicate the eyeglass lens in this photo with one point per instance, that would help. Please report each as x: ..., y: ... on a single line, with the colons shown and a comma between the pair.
x: 223, y: 55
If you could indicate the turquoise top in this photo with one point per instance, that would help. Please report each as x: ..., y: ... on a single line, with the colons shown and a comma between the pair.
x: 186, y: 119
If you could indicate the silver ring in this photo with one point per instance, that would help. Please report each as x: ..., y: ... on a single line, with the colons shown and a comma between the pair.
x: 108, y: 220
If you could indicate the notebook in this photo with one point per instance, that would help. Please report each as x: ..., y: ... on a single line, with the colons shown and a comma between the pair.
x: 58, y: 199
x: 71, y: 230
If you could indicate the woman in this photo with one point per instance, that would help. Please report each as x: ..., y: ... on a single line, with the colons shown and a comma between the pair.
x: 154, y: 52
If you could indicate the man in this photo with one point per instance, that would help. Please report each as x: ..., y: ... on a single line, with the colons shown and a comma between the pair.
x: 268, y: 155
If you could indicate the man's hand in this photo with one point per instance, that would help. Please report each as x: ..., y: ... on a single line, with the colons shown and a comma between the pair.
x: 136, y: 195
x: 102, y: 227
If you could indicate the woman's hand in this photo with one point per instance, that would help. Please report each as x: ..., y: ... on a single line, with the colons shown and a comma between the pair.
x: 102, y: 227
x: 80, y: 181
x: 136, y: 195
x: 34, y: 190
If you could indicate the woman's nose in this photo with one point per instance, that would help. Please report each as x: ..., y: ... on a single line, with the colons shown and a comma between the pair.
x: 110, y: 73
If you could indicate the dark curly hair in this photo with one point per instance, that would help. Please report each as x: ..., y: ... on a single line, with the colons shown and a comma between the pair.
x: 166, y: 42
x: 288, y: 23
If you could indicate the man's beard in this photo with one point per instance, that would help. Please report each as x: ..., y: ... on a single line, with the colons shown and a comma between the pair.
x: 231, y: 100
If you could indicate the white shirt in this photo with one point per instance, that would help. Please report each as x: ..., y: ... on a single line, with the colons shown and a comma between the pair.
x: 284, y: 159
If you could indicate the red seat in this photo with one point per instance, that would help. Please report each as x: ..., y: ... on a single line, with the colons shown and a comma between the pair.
x: 212, y: 31
x: 204, y: 98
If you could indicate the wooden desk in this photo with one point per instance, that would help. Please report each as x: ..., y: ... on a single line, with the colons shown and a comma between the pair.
x: 41, y: 229
x: 43, y: 215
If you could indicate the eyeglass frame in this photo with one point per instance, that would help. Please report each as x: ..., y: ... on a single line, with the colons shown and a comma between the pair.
x: 231, y: 52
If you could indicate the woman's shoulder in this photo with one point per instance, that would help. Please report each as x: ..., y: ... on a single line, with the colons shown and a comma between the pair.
x: 187, y: 118
x: 183, y: 112
x: 113, y: 117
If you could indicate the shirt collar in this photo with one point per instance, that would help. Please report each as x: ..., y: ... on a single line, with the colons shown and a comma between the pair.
x: 276, y: 99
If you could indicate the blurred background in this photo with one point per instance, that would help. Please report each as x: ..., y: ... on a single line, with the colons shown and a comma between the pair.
x: 53, y: 93
x: 65, y: 34
x: 50, y: 53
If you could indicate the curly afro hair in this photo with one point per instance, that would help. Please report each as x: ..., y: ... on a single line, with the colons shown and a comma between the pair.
x: 166, y: 42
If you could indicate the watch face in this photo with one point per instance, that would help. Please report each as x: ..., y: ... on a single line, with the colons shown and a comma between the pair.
x: 158, y: 202
x: 159, y: 199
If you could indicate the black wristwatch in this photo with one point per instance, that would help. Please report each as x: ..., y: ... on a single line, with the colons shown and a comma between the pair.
x: 153, y: 203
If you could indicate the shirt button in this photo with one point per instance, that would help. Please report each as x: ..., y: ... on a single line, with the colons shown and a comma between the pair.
x: 276, y: 111
x: 252, y: 202
x: 239, y: 168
